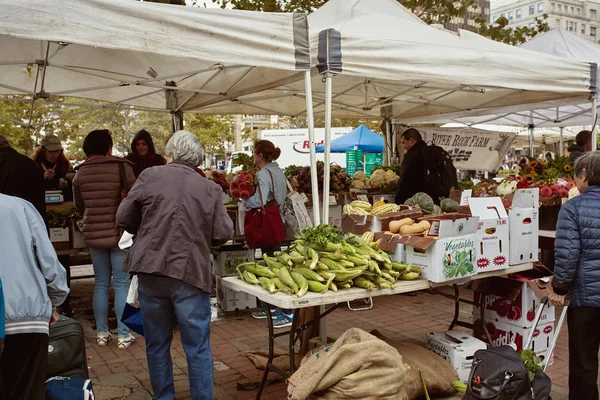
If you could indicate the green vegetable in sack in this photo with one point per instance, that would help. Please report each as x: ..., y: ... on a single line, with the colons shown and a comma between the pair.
x: 532, y: 362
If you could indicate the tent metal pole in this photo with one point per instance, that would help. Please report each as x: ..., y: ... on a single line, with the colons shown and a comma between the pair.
x: 388, y: 142
x: 531, y: 141
x: 311, y: 143
x: 177, y: 120
x: 327, y: 145
x: 561, y: 142
x: 594, y: 116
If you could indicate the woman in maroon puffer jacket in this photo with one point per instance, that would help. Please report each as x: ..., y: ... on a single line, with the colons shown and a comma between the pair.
x: 97, y: 193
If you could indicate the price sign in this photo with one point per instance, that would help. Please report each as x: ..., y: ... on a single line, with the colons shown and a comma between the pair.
x: 362, y: 197
x: 304, y: 198
x: 465, y: 196
x: 332, y: 200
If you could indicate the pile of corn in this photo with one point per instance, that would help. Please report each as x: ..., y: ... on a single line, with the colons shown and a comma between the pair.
x: 357, y: 262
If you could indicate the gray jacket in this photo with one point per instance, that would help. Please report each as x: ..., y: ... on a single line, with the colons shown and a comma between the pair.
x: 175, y: 213
x: 32, y: 278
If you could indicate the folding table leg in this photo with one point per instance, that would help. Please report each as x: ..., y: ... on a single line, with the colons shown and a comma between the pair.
x: 294, y: 336
x: 271, y: 349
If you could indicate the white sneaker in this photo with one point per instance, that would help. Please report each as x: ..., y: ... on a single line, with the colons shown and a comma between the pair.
x: 103, y: 338
x: 125, y: 342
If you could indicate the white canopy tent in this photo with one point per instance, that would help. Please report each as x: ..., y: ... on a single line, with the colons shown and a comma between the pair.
x: 135, y: 53
x: 149, y: 56
x: 557, y: 113
x: 388, y: 63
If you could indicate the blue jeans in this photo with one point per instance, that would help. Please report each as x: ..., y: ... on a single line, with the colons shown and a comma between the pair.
x: 161, y: 300
x: 107, y: 264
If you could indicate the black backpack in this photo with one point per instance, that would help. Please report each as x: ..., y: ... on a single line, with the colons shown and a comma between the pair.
x: 440, y: 172
x: 499, y: 374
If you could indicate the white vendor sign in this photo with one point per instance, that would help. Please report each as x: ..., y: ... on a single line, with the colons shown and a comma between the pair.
x: 471, y: 149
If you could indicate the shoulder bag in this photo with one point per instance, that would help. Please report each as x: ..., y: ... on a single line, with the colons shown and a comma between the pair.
x: 263, y: 226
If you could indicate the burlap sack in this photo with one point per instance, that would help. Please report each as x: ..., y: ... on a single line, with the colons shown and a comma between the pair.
x: 356, y: 366
x: 280, y: 359
x: 438, y: 373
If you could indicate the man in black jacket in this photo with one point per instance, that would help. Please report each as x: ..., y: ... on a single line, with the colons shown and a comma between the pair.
x: 583, y: 144
x: 21, y: 177
x: 414, y: 174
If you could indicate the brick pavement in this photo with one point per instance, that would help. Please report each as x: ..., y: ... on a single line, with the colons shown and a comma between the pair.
x: 122, y: 374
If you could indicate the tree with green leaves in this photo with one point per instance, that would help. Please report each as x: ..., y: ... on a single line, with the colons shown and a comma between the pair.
x: 214, y: 132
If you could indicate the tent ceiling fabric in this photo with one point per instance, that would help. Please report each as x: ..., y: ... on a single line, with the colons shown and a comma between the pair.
x: 394, y: 65
x: 560, y: 43
x: 126, y: 51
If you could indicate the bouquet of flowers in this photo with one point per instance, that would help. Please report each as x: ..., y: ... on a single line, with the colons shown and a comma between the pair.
x: 243, y: 186
x: 219, y: 178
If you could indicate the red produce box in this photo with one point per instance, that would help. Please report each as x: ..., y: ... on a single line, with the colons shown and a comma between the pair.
x: 514, y: 301
x: 503, y: 334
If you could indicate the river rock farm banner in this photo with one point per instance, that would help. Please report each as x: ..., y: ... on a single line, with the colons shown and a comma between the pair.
x: 471, y: 149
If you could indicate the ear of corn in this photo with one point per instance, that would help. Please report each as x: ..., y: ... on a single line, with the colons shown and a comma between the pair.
x: 259, y: 270
x: 285, y: 259
x: 332, y: 265
x: 285, y: 277
x: 282, y: 286
x: 317, y: 287
x: 250, y: 278
x: 296, y: 257
x: 309, y: 274
x: 301, y: 282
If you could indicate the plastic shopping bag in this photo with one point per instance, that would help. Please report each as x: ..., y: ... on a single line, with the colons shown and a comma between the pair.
x: 132, y: 295
x: 126, y: 241
x: 295, y: 215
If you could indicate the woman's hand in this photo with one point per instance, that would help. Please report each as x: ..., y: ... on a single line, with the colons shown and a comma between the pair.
x: 49, y: 174
x: 54, y: 317
x: 556, y: 300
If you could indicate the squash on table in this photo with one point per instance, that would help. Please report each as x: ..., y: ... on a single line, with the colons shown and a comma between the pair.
x: 421, y: 227
x: 423, y: 200
x: 449, y: 206
x: 396, y: 225
x: 379, y: 203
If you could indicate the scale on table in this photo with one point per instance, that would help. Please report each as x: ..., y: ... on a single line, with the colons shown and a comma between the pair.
x: 54, y: 197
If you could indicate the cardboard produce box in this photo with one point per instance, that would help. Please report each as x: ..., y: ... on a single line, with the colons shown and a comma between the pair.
x: 227, y: 258
x: 230, y: 300
x: 60, y: 238
x: 382, y: 223
x: 513, y: 301
x: 450, y: 253
x: 492, y: 247
x: 456, y: 347
x: 335, y: 215
x: 360, y: 224
x: 394, y: 245
x: 504, y: 334
x: 524, y: 226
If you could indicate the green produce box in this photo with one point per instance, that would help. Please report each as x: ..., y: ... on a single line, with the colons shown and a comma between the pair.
x: 372, y: 160
x: 354, y: 162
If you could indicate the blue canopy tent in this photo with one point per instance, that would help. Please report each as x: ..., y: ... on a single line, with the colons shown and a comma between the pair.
x: 362, y: 138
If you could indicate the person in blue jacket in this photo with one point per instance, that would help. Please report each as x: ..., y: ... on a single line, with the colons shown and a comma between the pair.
x: 34, y: 284
x: 577, y: 276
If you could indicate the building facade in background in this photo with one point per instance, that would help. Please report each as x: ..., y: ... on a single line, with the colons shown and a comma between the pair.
x: 468, y: 21
x: 580, y: 17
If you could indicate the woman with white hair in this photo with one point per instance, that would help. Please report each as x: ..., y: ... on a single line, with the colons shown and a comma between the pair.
x: 176, y: 215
